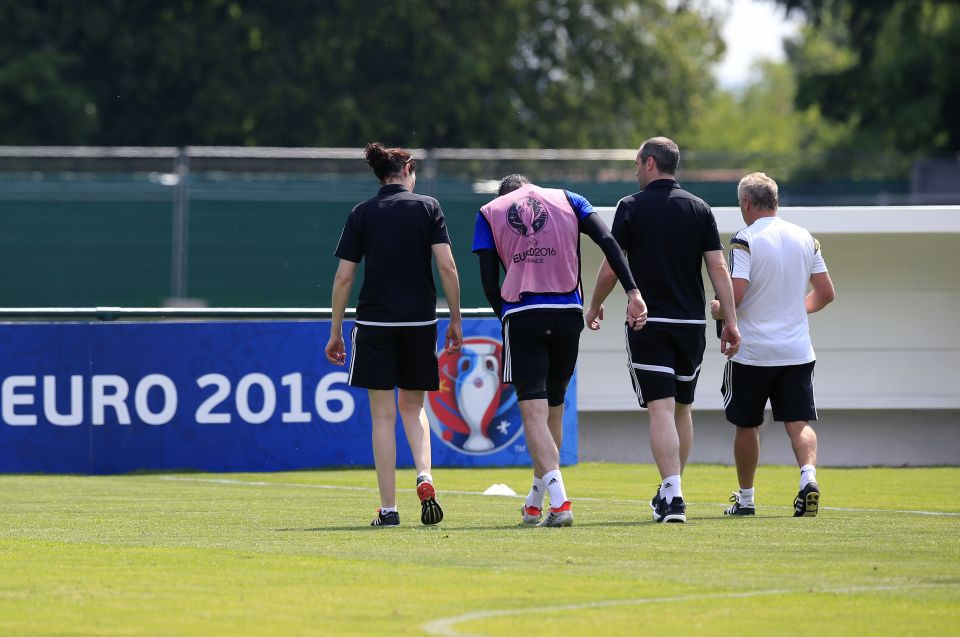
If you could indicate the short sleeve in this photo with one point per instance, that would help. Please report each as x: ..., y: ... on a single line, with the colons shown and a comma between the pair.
x: 711, y: 236
x: 740, y: 257
x: 483, y: 235
x: 580, y: 205
x: 350, y: 246
x: 619, y: 228
x: 439, y: 232
x: 818, y: 265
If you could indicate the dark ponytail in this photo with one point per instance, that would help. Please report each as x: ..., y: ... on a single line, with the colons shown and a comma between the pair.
x: 387, y: 161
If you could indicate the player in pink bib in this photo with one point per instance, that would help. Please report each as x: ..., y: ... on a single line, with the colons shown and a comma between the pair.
x: 533, y: 234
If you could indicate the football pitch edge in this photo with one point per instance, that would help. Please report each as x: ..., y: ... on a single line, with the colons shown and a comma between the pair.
x: 768, y: 608
x: 278, y: 554
x: 298, y: 485
x: 446, y: 627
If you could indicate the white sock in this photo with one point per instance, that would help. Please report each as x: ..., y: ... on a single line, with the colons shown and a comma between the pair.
x: 808, y: 474
x: 554, y: 482
x: 425, y: 474
x: 746, y: 497
x: 670, y: 488
x: 386, y: 510
x: 537, y: 491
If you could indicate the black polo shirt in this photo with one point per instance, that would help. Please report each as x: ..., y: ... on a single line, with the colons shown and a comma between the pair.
x: 393, y: 233
x: 665, y: 230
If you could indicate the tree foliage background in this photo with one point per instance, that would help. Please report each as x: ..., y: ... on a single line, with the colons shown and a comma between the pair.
x: 431, y: 73
x: 889, y: 69
x: 864, y: 79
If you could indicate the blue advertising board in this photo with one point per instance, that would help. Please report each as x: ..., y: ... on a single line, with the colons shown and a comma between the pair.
x: 233, y: 396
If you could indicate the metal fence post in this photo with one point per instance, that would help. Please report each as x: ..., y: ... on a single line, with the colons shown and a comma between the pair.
x: 181, y: 220
x: 430, y: 173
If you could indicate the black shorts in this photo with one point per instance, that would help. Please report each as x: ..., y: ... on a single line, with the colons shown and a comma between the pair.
x: 746, y: 389
x: 389, y: 357
x: 540, y: 348
x: 664, y: 360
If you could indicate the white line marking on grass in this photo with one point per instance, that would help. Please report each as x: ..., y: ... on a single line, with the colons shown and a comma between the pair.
x: 948, y: 514
x: 301, y: 485
x: 446, y: 626
x: 260, y: 483
x: 942, y: 513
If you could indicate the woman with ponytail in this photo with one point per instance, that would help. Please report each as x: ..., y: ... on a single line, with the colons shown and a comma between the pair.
x: 393, y: 342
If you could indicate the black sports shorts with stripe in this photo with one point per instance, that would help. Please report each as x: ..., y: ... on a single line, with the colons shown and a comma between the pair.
x: 396, y: 356
x: 540, y: 350
x: 789, y: 388
x: 664, y: 360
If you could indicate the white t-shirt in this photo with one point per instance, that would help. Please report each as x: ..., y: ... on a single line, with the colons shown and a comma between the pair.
x: 777, y: 258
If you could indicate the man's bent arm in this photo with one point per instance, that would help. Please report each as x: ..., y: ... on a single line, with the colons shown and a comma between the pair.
x: 720, y: 278
x: 490, y: 278
x: 592, y: 226
x: 822, y: 293
x: 606, y: 279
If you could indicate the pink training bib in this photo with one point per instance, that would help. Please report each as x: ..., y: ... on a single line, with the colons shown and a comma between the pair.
x: 536, y: 232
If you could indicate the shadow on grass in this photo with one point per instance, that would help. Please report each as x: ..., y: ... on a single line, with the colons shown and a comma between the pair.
x: 698, y: 521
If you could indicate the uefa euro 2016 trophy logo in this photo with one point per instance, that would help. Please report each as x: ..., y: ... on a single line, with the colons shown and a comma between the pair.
x: 527, y: 216
x: 473, y: 412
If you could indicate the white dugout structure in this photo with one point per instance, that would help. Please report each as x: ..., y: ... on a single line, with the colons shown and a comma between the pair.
x: 888, y: 349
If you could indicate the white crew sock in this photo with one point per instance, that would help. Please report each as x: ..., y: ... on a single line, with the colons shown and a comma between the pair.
x: 670, y: 488
x: 425, y: 474
x: 386, y: 510
x: 554, y: 482
x: 537, y: 491
x: 746, y: 497
x: 808, y: 474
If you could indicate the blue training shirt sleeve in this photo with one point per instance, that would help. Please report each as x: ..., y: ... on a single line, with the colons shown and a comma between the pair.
x: 483, y: 235
x: 580, y: 204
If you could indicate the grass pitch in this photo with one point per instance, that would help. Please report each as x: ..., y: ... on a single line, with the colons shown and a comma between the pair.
x: 290, y: 554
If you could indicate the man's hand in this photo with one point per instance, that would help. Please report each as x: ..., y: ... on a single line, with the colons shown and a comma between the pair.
x: 593, y: 317
x: 715, y: 311
x: 729, y: 340
x: 335, y: 350
x: 454, y: 338
x: 636, y: 311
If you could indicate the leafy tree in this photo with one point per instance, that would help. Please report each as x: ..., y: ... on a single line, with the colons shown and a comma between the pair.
x: 887, y: 67
x: 761, y: 128
x: 574, y: 73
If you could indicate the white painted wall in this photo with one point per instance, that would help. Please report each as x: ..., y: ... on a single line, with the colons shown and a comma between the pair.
x: 889, y: 344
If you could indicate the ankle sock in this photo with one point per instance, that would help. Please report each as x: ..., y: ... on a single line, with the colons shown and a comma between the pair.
x: 808, y: 474
x: 554, y: 483
x: 537, y: 491
x: 670, y: 488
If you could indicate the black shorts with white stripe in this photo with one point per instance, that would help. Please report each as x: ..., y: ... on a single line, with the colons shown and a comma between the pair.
x: 540, y: 347
x: 664, y: 359
x: 789, y: 388
x: 386, y: 357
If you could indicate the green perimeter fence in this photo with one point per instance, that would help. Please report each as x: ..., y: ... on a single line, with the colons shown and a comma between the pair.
x: 231, y: 227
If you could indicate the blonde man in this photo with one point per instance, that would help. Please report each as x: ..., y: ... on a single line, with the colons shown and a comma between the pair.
x: 773, y: 264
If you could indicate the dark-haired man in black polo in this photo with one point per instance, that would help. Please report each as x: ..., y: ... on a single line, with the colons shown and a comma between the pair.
x: 667, y: 233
